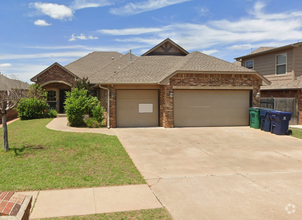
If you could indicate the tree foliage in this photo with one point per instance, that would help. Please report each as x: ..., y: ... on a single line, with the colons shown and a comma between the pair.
x: 36, y: 91
x: 82, y: 84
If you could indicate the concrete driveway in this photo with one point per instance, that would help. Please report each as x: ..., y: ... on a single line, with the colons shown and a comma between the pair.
x: 219, y: 173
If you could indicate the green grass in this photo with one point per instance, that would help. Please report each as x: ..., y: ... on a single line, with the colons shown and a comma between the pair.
x: 297, y: 132
x: 42, y: 159
x: 133, y: 215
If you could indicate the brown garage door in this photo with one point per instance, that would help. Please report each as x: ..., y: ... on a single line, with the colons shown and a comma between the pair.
x: 137, y: 108
x: 211, y: 108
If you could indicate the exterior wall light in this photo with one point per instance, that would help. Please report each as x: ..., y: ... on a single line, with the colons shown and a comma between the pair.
x: 258, y: 95
x: 171, y: 94
x: 112, y: 95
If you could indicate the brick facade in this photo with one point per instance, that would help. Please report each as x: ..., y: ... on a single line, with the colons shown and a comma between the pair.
x: 59, y: 77
x: 285, y: 94
x: 217, y: 81
x: 56, y: 73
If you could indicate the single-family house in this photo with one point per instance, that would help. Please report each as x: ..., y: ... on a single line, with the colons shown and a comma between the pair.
x: 167, y: 86
x: 283, y: 67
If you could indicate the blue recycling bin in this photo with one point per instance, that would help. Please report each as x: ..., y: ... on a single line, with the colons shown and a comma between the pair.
x: 265, y: 119
x: 279, y: 121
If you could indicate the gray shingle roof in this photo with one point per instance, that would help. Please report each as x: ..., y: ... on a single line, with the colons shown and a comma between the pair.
x: 297, y: 84
x: 112, y: 68
x: 91, y: 63
x: 7, y: 84
x: 261, y: 49
x: 154, y: 69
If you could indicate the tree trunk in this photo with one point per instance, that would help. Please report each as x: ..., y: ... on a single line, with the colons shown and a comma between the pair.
x: 5, y: 136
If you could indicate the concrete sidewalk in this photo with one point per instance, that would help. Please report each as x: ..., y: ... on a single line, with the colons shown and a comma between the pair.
x: 86, y: 201
x: 60, y: 124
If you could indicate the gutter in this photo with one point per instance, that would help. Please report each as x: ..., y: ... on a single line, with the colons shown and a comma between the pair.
x: 108, y: 104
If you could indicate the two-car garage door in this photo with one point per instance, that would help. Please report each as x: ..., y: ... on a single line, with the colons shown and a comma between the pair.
x: 211, y: 108
x: 140, y: 108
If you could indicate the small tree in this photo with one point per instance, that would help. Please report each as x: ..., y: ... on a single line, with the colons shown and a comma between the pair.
x: 10, y: 94
x: 82, y: 84
x: 36, y: 91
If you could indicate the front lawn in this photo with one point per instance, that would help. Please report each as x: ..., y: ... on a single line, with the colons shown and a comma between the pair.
x: 139, y: 215
x: 42, y: 159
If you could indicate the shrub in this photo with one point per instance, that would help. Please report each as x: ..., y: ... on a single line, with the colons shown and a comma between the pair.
x: 98, y: 113
x: 77, y: 104
x: 92, y: 123
x: 32, y: 108
x: 51, y: 113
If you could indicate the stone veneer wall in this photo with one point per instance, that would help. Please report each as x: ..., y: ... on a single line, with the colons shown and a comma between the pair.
x: 202, y: 80
x: 285, y: 94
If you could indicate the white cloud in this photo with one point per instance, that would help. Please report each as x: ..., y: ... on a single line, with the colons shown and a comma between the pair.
x: 5, y: 65
x: 209, y: 52
x: 243, y: 33
x: 53, y: 10
x: 202, y: 11
x: 42, y: 55
x: 129, y: 31
x: 80, y: 4
x: 41, y: 23
x: 82, y: 37
x: 139, y: 7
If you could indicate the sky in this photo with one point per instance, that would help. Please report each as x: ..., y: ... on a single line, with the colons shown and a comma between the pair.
x: 35, y: 34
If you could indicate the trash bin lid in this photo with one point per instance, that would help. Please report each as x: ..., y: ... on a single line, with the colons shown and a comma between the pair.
x: 254, y: 109
x: 264, y: 111
x: 275, y: 112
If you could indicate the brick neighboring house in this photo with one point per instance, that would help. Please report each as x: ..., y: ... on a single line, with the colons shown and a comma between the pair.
x: 166, y: 86
x: 7, y: 84
x: 283, y: 67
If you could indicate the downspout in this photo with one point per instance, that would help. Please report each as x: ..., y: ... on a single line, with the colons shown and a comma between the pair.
x: 108, y: 104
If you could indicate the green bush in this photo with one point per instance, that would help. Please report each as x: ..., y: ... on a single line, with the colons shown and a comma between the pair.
x: 32, y: 108
x: 77, y: 104
x: 51, y: 113
x: 92, y: 123
x: 98, y: 113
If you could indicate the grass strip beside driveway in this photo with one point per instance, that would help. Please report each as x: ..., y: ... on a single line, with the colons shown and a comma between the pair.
x: 296, y: 132
x: 42, y: 159
x: 162, y: 214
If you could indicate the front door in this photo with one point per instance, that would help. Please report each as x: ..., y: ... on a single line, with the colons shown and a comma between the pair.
x: 62, y: 99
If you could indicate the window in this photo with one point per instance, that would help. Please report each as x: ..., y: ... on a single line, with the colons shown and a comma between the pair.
x: 249, y: 64
x: 281, y: 64
x: 52, y: 99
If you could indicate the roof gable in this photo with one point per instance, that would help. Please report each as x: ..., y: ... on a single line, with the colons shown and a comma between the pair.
x: 166, y: 47
x: 34, y: 79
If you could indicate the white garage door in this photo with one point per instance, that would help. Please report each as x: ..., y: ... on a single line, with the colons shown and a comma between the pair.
x: 137, y: 108
x: 211, y: 108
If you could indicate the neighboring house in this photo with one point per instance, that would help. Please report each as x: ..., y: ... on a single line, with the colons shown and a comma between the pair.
x: 166, y: 86
x: 8, y: 84
x: 283, y: 67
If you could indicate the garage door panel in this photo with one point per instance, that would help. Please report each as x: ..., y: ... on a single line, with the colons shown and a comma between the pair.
x: 211, y: 108
x: 128, y: 114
